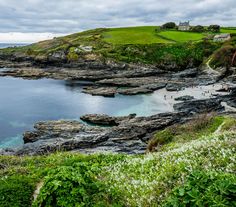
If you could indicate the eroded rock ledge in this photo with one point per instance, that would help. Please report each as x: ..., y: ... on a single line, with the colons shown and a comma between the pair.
x: 127, y: 134
x: 109, y: 81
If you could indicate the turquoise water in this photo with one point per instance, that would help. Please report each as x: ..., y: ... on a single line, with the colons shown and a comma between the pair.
x: 25, y: 102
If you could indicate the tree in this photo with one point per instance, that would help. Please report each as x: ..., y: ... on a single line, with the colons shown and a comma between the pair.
x: 214, y: 28
x: 198, y: 28
x: 169, y: 25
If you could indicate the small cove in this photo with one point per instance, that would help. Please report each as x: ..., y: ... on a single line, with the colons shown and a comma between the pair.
x: 25, y: 102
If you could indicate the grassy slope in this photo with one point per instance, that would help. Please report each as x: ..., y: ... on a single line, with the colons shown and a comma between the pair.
x: 181, y: 174
x: 131, y: 45
x: 178, y: 36
x: 228, y: 30
x: 133, y: 35
x: 148, y: 35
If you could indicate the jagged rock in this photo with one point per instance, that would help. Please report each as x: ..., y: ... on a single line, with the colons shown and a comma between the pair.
x: 174, y: 87
x: 134, y: 91
x: 187, y: 73
x: 100, y: 91
x: 184, y: 98
x: 129, y: 135
x: 200, y: 106
x: 155, y: 86
x: 103, y: 119
x: 134, y: 81
x: 58, y: 56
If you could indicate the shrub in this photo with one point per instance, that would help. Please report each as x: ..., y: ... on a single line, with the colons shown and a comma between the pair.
x: 203, y: 124
x: 223, y: 57
x: 16, y: 191
x: 168, y: 25
x: 214, y: 28
x: 77, y: 185
x: 161, y: 138
x: 205, y: 189
x: 198, y: 28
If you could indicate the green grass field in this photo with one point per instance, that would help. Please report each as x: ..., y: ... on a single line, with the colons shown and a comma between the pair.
x: 133, y: 35
x: 178, y: 36
x: 228, y: 30
x: 148, y: 35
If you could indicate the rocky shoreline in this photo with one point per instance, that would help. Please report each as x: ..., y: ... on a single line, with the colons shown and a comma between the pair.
x: 128, y: 134
x: 109, y: 80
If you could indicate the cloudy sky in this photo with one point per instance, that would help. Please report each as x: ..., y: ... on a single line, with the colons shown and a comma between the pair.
x: 32, y: 20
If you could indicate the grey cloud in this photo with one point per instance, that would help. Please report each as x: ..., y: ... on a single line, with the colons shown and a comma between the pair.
x: 67, y: 16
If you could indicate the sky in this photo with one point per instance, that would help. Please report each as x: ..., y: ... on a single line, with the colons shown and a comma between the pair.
x: 34, y: 20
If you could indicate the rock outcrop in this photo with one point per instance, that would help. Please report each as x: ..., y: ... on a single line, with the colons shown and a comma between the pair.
x: 200, y: 106
x: 125, y: 135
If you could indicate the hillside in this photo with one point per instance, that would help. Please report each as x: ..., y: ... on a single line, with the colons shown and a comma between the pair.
x: 192, y: 166
x: 139, y: 45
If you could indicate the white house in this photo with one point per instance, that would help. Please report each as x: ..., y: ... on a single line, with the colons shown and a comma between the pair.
x: 222, y: 37
x: 184, y: 26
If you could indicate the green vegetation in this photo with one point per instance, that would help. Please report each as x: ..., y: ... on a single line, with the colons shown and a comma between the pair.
x: 179, y: 36
x: 225, y: 56
x: 193, y: 169
x: 198, y: 127
x: 169, y: 25
x: 133, y: 35
x: 205, y: 189
x: 231, y: 30
x: 172, y: 56
x: 170, y: 48
x: 16, y: 190
x: 75, y: 184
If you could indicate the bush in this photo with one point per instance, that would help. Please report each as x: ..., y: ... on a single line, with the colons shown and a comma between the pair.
x: 198, y: 28
x: 205, y: 189
x: 161, y: 138
x: 77, y: 185
x: 214, y: 28
x: 201, y: 125
x: 72, y: 54
x: 16, y: 191
x: 168, y: 25
x: 223, y: 57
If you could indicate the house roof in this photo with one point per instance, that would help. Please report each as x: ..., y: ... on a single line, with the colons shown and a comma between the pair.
x: 184, y: 24
x: 222, y: 36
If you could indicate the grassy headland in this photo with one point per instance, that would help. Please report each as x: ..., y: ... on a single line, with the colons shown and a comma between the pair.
x: 140, y: 45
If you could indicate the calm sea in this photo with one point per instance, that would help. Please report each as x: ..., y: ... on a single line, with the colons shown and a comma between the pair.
x: 5, y: 45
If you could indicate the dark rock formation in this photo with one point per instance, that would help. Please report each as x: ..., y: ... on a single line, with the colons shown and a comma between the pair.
x: 134, y: 91
x: 184, y: 98
x: 105, y: 120
x: 129, y: 135
x: 174, y: 87
x: 189, y: 73
x: 100, y: 91
x: 200, y: 106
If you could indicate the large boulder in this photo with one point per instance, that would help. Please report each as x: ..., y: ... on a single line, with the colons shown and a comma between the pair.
x: 200, y: 106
